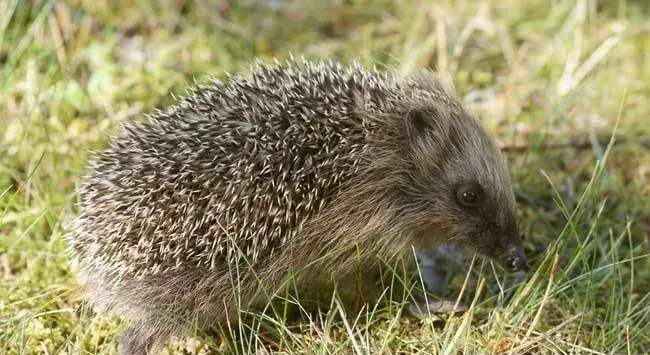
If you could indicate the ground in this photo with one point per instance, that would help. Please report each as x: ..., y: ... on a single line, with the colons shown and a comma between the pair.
x: 555, y: 81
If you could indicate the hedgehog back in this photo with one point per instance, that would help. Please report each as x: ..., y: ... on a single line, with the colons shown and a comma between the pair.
x: 228, y: 175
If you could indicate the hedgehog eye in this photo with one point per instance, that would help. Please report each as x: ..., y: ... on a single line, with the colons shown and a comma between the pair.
x: 469, y: 195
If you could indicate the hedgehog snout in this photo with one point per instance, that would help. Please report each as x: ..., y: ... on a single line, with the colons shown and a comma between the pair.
x: 514, y: 258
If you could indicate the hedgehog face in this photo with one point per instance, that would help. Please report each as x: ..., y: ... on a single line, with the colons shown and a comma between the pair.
x: 460, y: 186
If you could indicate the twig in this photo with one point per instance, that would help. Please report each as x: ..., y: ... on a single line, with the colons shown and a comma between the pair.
x: 644, y: 141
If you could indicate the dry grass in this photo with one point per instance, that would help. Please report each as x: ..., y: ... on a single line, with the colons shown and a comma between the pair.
x: 537, y: 72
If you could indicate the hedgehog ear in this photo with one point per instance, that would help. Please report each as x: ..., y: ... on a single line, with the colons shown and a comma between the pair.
x: 422, y: 123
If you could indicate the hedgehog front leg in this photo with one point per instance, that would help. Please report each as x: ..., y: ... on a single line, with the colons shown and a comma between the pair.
x: 142, y: 339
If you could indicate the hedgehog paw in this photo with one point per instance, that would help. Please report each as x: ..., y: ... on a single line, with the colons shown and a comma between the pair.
x: 139, y: 339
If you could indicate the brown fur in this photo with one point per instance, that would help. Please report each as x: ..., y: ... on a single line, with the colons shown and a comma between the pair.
x: 307, y: 173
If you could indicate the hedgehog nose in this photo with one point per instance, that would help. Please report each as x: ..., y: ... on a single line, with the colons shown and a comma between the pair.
x: 516, y: 258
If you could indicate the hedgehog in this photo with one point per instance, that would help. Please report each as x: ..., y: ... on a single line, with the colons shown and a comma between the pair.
x: 304, y: 172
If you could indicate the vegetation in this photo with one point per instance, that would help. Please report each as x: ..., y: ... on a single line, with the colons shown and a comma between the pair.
x: 564, y: 85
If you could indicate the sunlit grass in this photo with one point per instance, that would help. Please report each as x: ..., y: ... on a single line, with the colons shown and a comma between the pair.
x: 537, y: 73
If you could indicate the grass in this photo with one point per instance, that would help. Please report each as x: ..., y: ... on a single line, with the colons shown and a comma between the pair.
x: 549, y: 78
